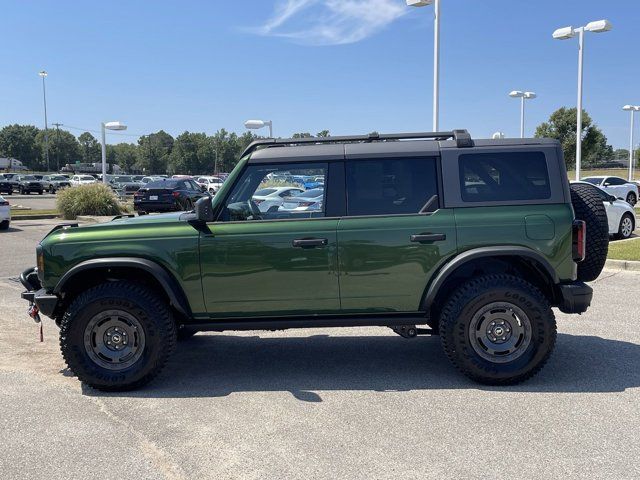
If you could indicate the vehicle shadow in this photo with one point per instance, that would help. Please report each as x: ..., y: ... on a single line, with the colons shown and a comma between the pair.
x: 12, y: 229
x: 218, y: 365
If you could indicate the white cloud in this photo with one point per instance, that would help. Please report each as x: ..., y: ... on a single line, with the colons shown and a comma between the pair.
x: 330, y: 22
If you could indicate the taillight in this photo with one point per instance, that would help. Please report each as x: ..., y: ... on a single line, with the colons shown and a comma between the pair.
x: 258, y: 202
x: 579, y: 240
x: 306, y: 204
x: 175, y: 194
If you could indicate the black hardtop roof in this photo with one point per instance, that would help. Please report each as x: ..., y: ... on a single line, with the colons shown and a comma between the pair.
x: 372, y: 145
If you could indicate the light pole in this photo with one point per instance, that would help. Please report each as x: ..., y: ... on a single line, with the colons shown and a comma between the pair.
x: 43, y: 74
x: 633, y: 109
x: 104, y: 127
x: 522, y: 96
x: 257, y: 124
x: 565, y: 33
x: 436, y: 55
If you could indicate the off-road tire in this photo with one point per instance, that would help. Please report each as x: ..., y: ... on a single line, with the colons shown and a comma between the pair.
x: 588, y: 206
x: 471, y: 298
x: 632, y: 199
x: 149, y: 309
x: 4, y: 225
x: 623, y: 232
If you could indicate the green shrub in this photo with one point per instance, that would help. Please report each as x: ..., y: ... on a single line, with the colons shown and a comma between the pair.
x: 95, y: 199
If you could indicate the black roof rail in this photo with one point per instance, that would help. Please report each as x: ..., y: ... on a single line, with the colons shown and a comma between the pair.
x: 462, y: 137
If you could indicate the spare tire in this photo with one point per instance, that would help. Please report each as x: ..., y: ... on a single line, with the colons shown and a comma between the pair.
x: 588, y: 206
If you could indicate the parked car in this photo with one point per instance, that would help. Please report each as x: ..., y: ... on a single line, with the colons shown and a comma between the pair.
x: 621, y: 216
x: 53, y: 183
x: 5, y: 214
x: 616, y: 186
x: 210, y: 183
x: 310, y: 183
x: 77, y: 180
x: 5, y: 186
x: 125, y: 184
x: 29, y: 183
x: 412, y: 232
x: 146, y: 180
x: 138, y: 178
x: 167, y: 195
x: 309, y: 200
x: 272, y: 197
x: 12, y: 180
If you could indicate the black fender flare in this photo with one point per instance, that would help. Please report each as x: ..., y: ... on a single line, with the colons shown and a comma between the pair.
x: 484, y: 252
x: 169, y: 284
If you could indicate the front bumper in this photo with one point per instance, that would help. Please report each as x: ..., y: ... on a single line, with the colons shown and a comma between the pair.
x: 574, y: 297
x: 36, y: 295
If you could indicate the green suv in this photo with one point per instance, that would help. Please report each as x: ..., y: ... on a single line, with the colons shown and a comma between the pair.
x: 425, y: 233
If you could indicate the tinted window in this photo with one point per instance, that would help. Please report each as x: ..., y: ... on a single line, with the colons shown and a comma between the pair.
x: 27, y: 177
x: 499, y: 177
x: 616, y: 181
x: 316, y: 192
x: 592, y: 180
x: 263, y: 192
x: 390, y: 186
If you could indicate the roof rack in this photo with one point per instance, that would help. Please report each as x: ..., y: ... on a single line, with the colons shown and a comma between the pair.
x: 461, y: 137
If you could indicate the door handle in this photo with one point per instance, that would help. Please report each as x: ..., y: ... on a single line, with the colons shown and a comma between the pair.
x: 309, y: 242
x: 428, y: 237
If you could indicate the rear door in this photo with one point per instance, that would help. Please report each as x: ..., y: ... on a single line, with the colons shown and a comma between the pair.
x: 394, y: 235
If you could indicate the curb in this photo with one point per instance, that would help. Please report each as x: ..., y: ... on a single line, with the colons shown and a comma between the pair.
x: 33, y: 217
x: 628, y: 265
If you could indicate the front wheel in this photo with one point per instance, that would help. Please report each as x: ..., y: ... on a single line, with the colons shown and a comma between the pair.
x: 498, y: 329
x: 117, y: 336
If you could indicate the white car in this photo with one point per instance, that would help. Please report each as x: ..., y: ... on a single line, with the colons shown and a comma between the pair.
x: 146, y: 180
x: 82, y: 180
x: 212, y: 184
x: 616, y: 186
x: 5, y: 214
x: 620, y: 215
x: 270, y: 197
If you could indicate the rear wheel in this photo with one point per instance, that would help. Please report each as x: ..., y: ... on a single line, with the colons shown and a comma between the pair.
x: 117, y: 336
x: 588, y: 206
x: 498, y: 329
x: 4, y: 225
x: 626, y: 226
x: 632, y: 199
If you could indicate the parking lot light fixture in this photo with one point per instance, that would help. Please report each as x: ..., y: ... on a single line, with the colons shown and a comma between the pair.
x: 566, y: 33
x: 108, y: 126
x: 436, y: 55
x: 522, y: 96
x: 633, y: 109
x: 258, y: 124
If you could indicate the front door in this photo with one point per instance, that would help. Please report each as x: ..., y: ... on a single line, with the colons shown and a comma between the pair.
x: 282, y: 261
x: 394, y: 236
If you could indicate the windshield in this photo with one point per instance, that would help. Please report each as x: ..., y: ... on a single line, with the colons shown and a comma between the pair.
x: 27, y: 177
x: 264, y: 192
x: 87, y: 177
x: 57, y: 177
x: 122, y: 179
x: 592, y: 180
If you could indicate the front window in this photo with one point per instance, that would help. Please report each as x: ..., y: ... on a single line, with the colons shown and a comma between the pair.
x: 241, y: 205
x: 27, y: 177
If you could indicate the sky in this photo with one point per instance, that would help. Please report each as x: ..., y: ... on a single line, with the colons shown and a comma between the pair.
x: 349, y: 66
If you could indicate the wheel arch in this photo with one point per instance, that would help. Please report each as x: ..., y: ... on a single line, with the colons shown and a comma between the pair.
x: 100, y: 269
x: 496, y: 259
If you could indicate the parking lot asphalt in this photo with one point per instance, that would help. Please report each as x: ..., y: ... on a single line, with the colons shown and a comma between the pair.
x: 356, y: 403
x: 46, y: 201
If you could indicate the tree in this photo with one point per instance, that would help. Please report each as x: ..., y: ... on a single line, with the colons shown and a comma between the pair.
x: 192, y: 153
x: 323, y: 133
x: 63, y: 148
x: 90, y: 149
x: 19, y: 142
x: 561, y: 126
x: 153, y: 152
x: 124, y: 155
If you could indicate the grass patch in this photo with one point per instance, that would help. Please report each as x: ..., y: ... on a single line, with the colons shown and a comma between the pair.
x: 614, y: 172
x: 627, y: 250
x: 34, y: 212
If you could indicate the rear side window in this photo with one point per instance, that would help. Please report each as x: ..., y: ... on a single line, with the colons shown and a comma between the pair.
x: 391, y: 186
x: 500, y: 177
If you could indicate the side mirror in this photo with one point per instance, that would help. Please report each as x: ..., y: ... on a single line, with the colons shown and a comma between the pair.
x: 204, y: 209
x: 239, y: 211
